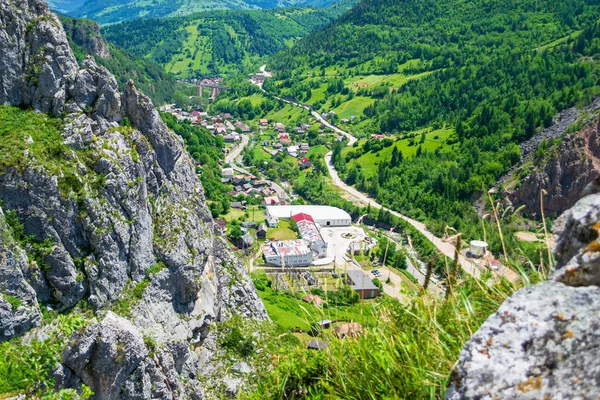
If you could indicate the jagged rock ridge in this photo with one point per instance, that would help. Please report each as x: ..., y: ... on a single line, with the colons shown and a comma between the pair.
x: 124, y: 208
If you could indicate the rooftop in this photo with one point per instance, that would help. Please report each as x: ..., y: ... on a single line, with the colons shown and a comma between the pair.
x: 316, y: 212
x: 286, y: 247
x: 360, y: 280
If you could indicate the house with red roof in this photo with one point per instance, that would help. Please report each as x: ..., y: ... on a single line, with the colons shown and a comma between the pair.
x: 305, y: 163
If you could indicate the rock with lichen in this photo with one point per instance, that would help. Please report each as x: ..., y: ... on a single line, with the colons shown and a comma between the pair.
x: 544, y: 341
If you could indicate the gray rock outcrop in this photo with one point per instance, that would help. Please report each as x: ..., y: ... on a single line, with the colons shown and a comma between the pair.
x: 121, y: 211
x: 544, y: 341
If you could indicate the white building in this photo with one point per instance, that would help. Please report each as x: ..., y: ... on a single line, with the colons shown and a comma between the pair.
x: 322, y: 215
x: 288, y: 253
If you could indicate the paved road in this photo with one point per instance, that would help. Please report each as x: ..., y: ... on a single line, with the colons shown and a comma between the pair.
x: 445, y: 248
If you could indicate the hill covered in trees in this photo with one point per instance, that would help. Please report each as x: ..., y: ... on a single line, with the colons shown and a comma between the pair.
x: 220, y: 41
x: 85, y: 40
x: 491, y: 73
x: 111, y: 11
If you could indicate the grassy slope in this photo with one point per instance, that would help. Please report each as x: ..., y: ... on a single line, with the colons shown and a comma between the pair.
x: 369, y: 161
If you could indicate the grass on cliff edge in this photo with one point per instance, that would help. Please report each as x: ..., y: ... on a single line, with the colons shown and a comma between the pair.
x: 38, y: 134
x: 408, y: 353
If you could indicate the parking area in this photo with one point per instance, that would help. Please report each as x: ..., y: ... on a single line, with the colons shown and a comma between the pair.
x: 339, y: 239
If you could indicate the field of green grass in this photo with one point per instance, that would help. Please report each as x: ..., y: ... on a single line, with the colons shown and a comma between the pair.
x: 234, y: 214
x: 393, y: 80
x: 291, y: 312
x: 318, y: 94
x: 286, y: 114
x: 369, y: 161
x: 319, y: 150
x: 260, y: 154
x: 353, y: 107
x: 282, y: 232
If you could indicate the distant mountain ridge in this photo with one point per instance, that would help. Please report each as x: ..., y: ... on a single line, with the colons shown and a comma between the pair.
x: 111, y: 11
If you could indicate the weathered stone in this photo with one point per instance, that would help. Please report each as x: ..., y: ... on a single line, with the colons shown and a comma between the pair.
x: 105, y: 355
x: 544, y: 341
x: 129, y: 200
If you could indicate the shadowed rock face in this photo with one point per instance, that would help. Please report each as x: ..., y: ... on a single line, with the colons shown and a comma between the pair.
x: 544, y: 341
x: 132, y: 201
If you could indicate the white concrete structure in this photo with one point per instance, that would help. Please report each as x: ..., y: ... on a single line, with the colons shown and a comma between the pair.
x: 478, y: 248
x: 323, y: 215
x: 288, y: 253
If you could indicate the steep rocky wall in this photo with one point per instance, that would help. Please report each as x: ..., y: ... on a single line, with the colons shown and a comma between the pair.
x: 120, y: 209
x: 544, y: 342
x: 563, y: 172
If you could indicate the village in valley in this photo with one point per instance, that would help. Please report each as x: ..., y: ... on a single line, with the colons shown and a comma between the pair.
x: 307, y: 251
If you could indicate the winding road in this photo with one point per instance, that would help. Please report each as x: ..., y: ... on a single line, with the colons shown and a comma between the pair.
x: 233, y: 160
x: 445, y: 248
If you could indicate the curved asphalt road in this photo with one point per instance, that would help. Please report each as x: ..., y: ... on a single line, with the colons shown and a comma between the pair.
x: 445, y: 248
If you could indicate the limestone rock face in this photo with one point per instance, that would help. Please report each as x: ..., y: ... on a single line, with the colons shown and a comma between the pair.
x: 125, y: 211
x: 19, y: 309
x: 544, y: 341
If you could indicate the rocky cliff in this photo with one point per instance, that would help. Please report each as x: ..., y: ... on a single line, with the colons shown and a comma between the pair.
x: 112, y: 213
x: 562, y: 160
x: 544, y: 341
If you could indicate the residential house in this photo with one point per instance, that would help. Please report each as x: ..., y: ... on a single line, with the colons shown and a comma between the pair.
x: 340, y: 138
x: 266, y: 142
x: 247, y: 186
x: 259, y: 182
x: 220, y: 226
x: 227, y: 116
x: 261, y: 232
x: 377, y: 136
x: 227, y: 174
x: 271, y: 201
x: 238, y: 188
x: 245, y: 241
x: 305, y: 163
x: 231, y: 138
x: 237, y: 205
x: 362, y: 284
x: 284, y: 137
x: 304, y: 147
x: 293, y: 151
x: 248, y: 224
x: 220, y: 129
x: 263, y: 122
x: 277, y: 146
x: 239, y: 180
x: 345, y: 121
x: 272, y: 221
x: 279, y: 127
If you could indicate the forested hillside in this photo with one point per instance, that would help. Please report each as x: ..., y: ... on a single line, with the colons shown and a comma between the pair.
x: 111, y: 11
x: 85, y: 39
x: 220, y: 41
x: 455, y: 85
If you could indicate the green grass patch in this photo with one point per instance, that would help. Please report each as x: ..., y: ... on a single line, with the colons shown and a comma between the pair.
x: 288, y: 310
x: 369, y: 161
x: 354, y: 107
x: 282, y: 232
x: 261, y: 155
